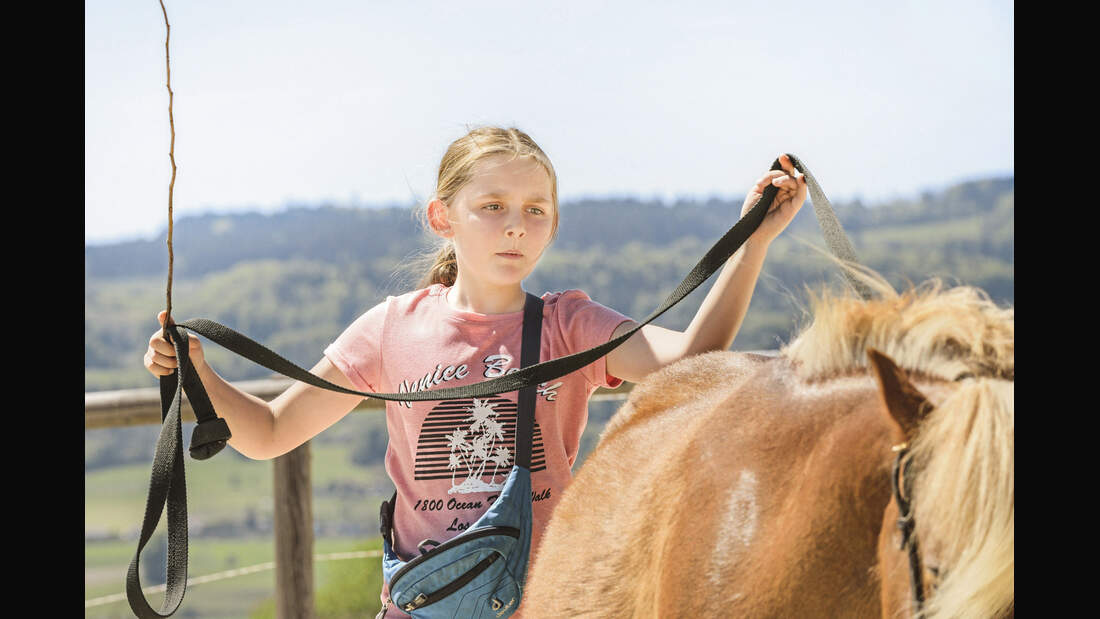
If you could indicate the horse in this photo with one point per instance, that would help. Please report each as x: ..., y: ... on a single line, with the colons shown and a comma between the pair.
x: 743, y: 485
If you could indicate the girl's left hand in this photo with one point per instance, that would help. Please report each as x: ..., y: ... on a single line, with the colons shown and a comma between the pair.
x: 791, y: 196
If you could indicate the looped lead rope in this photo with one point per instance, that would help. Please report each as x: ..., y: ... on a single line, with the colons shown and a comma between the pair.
x: 835, y: 238
x: 167, y: 492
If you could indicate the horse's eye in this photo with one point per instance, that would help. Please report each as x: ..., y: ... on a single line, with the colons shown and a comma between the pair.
x: 934, y: 570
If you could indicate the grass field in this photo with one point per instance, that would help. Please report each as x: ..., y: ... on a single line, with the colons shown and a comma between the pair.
x: 342, y: 588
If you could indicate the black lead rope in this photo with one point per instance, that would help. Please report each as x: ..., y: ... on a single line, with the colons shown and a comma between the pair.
x: 167, y: 486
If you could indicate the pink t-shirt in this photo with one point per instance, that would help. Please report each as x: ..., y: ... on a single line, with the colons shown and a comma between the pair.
x: 449, y: 459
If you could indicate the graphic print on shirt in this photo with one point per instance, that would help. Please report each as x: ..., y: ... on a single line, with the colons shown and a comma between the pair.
x: 495, y: 367
x: 472, y: 443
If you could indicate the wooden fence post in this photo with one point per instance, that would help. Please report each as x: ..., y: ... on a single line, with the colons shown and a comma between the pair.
x: 294, y: 535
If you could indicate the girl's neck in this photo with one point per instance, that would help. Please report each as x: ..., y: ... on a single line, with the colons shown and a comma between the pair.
x: 480, y: 298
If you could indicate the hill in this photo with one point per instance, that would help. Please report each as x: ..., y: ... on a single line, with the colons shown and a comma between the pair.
x: 294, y: 279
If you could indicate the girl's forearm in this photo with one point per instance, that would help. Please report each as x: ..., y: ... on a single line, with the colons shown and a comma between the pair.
x: 719, y: 317
x: 250, y: 419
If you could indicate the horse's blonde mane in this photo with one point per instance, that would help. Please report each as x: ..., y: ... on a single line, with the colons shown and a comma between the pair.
x: 963, y: 454
x: 964, y: 499
x: 937, y: 332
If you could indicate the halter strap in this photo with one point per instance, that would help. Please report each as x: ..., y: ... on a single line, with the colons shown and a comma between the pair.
x: 907, y: 524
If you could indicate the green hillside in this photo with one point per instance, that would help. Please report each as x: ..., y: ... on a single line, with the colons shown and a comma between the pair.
x: 294, y: 280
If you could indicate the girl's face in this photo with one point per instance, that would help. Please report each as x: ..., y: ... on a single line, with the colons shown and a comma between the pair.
x: 500, y: 221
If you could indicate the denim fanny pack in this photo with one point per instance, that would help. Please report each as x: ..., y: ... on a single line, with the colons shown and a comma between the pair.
x: 482, y: 571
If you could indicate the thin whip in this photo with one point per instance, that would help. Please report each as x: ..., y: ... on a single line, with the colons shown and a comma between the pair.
x: 172, y: 157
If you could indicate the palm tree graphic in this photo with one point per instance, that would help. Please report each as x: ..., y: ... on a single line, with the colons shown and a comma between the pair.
x: 500, y: 458
x: 484, y: 431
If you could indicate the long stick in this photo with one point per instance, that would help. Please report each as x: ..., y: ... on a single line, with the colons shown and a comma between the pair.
x: 172, y: 158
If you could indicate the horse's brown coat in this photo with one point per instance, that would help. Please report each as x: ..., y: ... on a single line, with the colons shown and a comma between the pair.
x: 665, y: 504
x: 737, y: 485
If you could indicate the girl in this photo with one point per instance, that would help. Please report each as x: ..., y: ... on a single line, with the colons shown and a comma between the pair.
x: 496, y: 208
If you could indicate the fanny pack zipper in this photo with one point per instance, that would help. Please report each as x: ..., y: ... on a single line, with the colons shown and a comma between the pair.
x: 422, y: 599
x: 451, y: 543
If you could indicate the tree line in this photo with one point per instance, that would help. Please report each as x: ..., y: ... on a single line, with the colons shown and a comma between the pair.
x: 294, y: 280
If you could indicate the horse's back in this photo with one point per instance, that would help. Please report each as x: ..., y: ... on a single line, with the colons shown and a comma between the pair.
x: 696, y: 381
x: 684, y: 508
x: 630, y: 493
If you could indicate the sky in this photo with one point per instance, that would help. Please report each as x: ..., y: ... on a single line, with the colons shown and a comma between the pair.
x: 280, y: 104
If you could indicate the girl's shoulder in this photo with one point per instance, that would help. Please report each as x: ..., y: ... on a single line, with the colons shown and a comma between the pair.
x: 415, y: 299
x: 566, y: 298
x: 575, y: 309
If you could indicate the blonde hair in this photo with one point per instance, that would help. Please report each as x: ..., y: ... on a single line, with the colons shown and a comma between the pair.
x: 456, y: 169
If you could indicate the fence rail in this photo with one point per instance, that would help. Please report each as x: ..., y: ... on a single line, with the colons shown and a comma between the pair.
x: 136, y: 407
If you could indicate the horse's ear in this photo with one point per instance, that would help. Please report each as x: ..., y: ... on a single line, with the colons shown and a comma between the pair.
x: 906, y: 405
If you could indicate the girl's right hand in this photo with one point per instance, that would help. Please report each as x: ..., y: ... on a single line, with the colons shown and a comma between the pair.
x: 160, y: 358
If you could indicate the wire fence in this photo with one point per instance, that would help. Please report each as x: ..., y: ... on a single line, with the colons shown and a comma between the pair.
x: 241, y: 571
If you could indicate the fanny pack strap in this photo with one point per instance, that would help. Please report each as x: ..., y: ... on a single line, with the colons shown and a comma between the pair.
x: 530, y: 345
x: 166, y: 487
x: 529, y: 355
